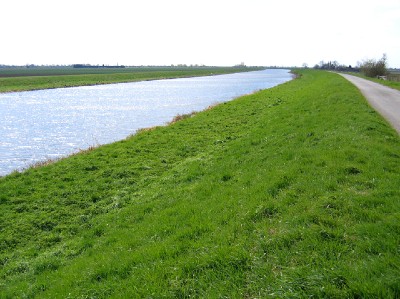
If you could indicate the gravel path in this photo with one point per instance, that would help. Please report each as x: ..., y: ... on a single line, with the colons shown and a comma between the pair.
x: 384, y: 99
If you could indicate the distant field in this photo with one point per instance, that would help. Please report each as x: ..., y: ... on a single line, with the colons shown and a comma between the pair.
x: 20, y: 79
x: 394, y: 76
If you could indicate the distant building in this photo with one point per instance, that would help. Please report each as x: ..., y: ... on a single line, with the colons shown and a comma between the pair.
x: 240, y: 65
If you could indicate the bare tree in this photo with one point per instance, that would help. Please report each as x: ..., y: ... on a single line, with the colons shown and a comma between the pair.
x: 374, y: 68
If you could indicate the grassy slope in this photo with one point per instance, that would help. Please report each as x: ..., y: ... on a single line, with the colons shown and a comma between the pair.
x: 32, y: 79
x: 289, y: 192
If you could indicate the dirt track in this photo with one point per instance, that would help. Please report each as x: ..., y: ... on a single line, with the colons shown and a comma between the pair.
x: 384, y: 99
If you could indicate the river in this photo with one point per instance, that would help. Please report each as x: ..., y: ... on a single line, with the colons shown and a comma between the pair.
x: 48, y: 124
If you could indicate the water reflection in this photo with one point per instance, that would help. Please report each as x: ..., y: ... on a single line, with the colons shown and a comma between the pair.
x: 47, y: 124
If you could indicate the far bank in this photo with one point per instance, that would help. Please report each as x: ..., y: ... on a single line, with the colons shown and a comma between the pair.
x: 48, y: 78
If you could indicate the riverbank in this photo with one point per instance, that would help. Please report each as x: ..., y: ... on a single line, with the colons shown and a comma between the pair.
x: 289, y: 192
x: 50, y: 124
x: 42, y: 78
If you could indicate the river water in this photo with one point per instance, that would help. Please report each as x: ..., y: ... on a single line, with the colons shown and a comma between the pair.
x: 49, y: 124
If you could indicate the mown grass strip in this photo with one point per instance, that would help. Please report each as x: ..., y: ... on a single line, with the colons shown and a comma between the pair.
x: 289, y: 192
x: 388, y: 83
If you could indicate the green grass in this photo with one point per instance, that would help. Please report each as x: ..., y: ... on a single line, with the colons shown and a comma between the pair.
x: 292, y: 192
x: 45, y: 78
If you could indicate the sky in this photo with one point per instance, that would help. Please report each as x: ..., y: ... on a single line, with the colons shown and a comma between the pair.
x: 204, y: 32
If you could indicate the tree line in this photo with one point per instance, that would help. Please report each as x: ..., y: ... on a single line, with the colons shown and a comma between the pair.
x: 369, y: 67
x: 89, y: 66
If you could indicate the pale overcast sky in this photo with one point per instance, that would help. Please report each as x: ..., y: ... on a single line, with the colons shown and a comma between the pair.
x: 210, y: 32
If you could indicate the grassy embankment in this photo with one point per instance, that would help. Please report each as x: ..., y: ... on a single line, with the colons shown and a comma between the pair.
x: 289, y: 192
x: 45, y: 78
